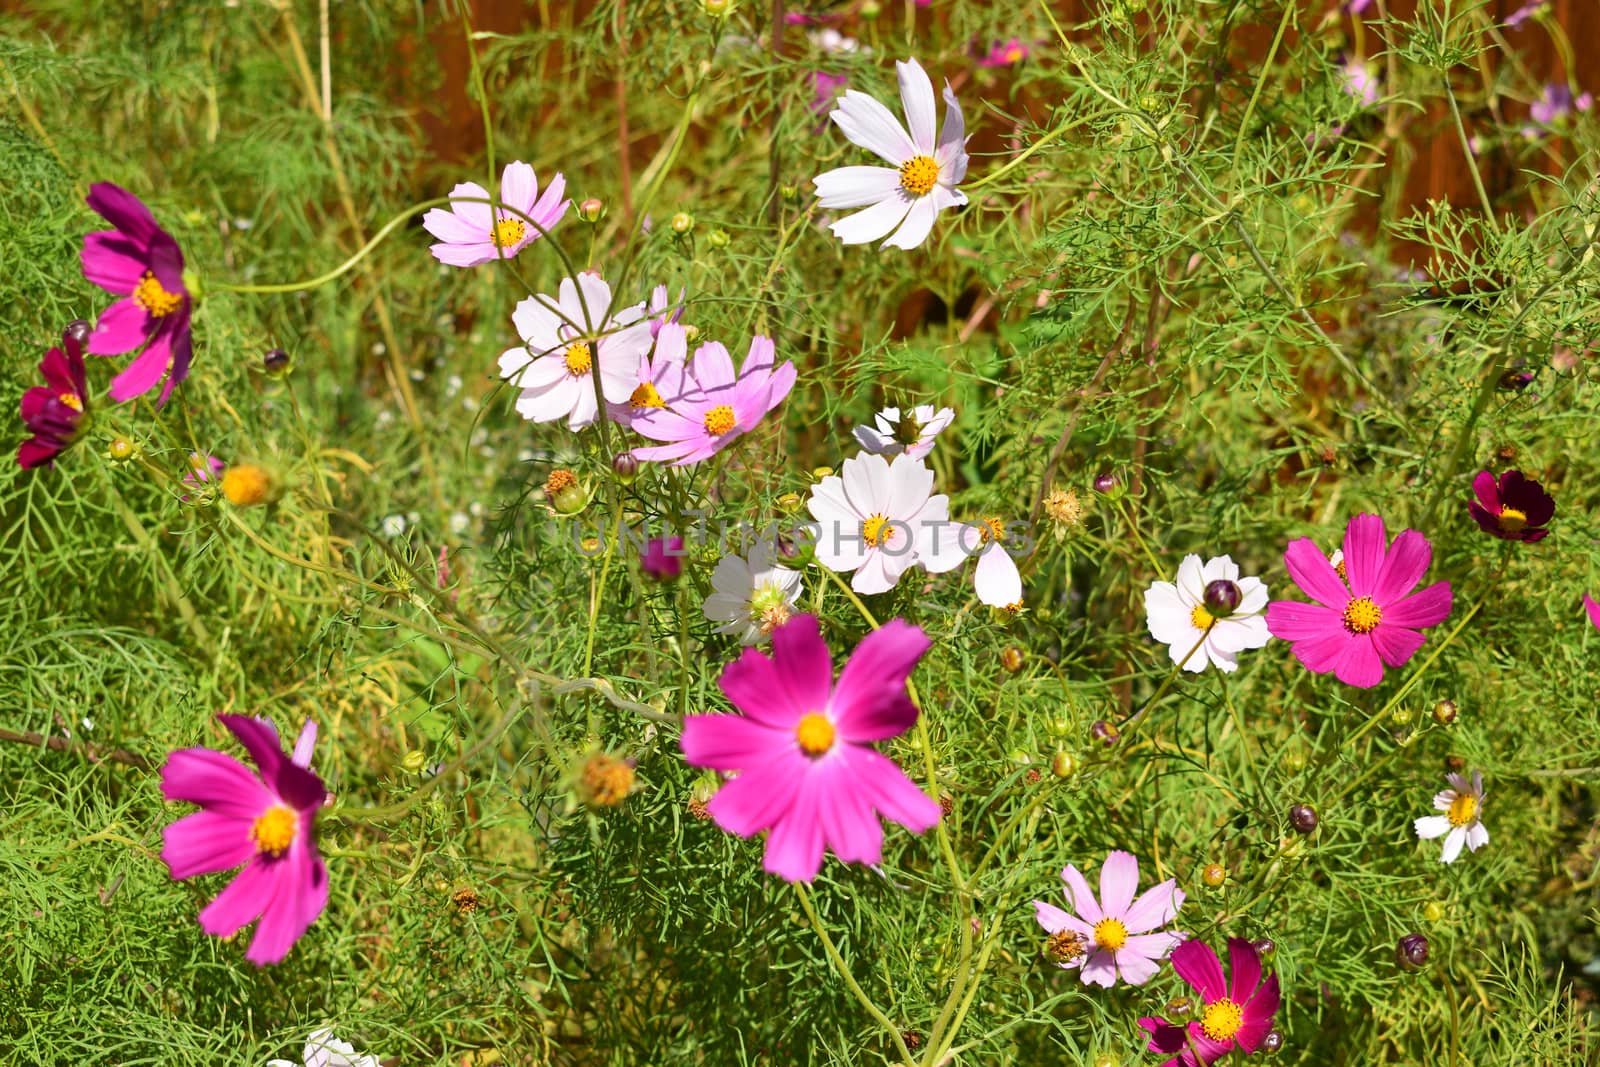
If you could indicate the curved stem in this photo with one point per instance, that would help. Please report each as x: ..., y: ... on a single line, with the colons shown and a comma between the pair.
x: 849, y: 979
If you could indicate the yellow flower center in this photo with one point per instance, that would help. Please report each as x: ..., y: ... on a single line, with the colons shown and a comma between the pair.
x: 1200, y: 618
x: 508, y: 232
x: 1013, y: 54
x: 1344, y: 575
x: 1512, y: 521
x: 149, y: 295
x: 646, y: 396
x: 1222, y: 1019
x: 273, y: 831
x: 719, y: 420
x: 918, y: 175
x: 875, y: 531
x: 773, y: 617
x: 246, y: 484
x: 1110, y: 934
x: 815, y: 733
x: 1361, y: 615
x: 992, y: 529
x: 579, y: 358
x: 1463, y: 809
x: 72, y: 400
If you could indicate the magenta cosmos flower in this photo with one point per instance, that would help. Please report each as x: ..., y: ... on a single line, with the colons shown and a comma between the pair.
x: 716, y: 404
x: 1239, y: 1014
x: 1006, y: 53
x: 1110, y: 937
x: 54, y: 411
x: 1357, y: 627
x: 141, y: 262
x: 473, y: 232
x: 262, y: 821
x: 1512, y: 507
x: 662, y: 558
x: 803, y: 751
x: 1592, y: 606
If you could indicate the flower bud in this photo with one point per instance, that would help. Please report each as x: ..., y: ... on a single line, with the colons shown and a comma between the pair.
x: 592, y: 209
x: 1412, y: 952
x: 1105, y: 482
x: 819, y: 473
x: 1433, y: 911
x: 718, y: 238
x: 120, y: 450
x: 1455, y: 764
x: 717, y: 9
x: 1401, y: 715
x: 625, y: 467
x: 1264, y: 947
x: 1222, y: 598
x: 77, y: 333
x: 414, y: 761
x: 1214, y: 874
x: 790, y: 501
x: 663, y: 558
x: 1294, y: 760
x: 1303, y: 817
x: 1272, y: 1042
x: 276, y: 362
x: 682, y: 222
x: 1063, y: 764
x: 1178, y: 1007
x: 1444, y: 712
x: 605, y: 780
x: 788, y: 192
x: 1105, y: 732
x: 1011, y: 659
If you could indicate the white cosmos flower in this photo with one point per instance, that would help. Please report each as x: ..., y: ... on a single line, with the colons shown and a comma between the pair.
x: 324, y: 1050
x: 1462, y: 821
x: 903, y: 199
x: 1178, y: 617
x: 752, y: 596
x: 562, y: 339
x: 877, y: 519
x: 996, y: 578
x: 912, y: 434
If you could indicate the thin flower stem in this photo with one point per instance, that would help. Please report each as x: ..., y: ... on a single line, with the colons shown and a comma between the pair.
x: 1266, y: 72
x: 849, y: 979
x: 598, y: 591
x: 1416, y: 676
x: 1022, y: 157
x: 1138, y: 539
x: 1172, y: 676
x: 169, y: 580
x: 1472, y: 159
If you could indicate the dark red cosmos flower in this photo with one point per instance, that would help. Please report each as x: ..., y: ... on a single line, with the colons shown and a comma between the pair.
x: 54, y: 411
x: 1512, y: 508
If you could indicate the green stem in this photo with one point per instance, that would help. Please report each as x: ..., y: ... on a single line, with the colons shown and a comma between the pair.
x: 1416, y: 676
x: 849, y: 979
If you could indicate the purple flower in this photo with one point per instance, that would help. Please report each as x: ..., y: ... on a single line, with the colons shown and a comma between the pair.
x: 1592, y: 606
x: 803, y: 748
x: 140, y: 261
x: 1526, y: 12
x: 1556, y: 102
x: 1358, y: 79
x: 1110, y: 937
x: 825, y: 89
x: 203, y: 469
x: 54, y: 411
x: 264, y: 822
x: 662, y: 558
x: 1237, y: 1013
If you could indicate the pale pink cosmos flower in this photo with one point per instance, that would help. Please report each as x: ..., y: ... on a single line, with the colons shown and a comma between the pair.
x: 662, y: 375
x: 902, y: 200
x: 562, y: 339
x: 474, y: 233
x: 1360, y: 80
x: 263, y: 822
x: 802, y: 749
x: 662, y: 310
x: 324, y: 1050
x: 1111, y: 937
x: 877, y: 519
x: 996, y: 578
x: 1373, y: 619
x: 716, y: 405
x: 912, y: 432
x: 1209, y: 606
x: 1462, y: 821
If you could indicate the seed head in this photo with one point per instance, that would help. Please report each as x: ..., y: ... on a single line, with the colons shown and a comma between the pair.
x: 1444, y: 712
x: 606, y: 780
x: 248, y: 484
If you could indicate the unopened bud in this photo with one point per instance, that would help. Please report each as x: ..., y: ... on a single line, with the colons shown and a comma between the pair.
x: 682, y: 222
x: 1214, y: 874
x: 1063, y: 764
x: 625, y: 467
x: 1105, y: 732
x: 1412, y: 952
x: 1222, y: 598
x: 120, y: 450
x: 1011, y: 659
x: 1433, y: 911
x: 1104, y: 483
x: 717, y: 238
x: 276, y: 362
x: 1303, y: 817
x: 77, y: 333
x: 1444, y: 712
x: 717, y: 9
x: 414, y: 761
x: 592, y: 209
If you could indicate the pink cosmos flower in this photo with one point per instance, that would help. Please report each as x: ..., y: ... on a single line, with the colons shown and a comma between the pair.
x: 1355, y: 628
x: 263, y: 821
x: 662, y: 374
x: 662, y: 310
x: 662, y: 558
x: 716, y: 405
x: 803, y: 751
x: 1237, y: 1014
x: 1005, y: 54
x: 474, y: 233
x: 996, y: 578
x: 1593, y: 608
x: 1358, y: 79
x: 54, y: 412
x: 1110, y: 937
x: 140, y: 261
x: 562, y: 339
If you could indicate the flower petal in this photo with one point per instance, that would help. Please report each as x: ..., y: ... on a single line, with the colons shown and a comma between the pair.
x: 1403, y: 567
x: 870, y: 125
x: 205, y: 842
x: 1313, y: 573
x: 1395, y: 644
x: 1429, y: 607
x: 731, y: 742
x: 1244, y: 967
x: 1119, y: 881
x: 1198, y: 965
x: 866, y: 226
x: 1080, y: 896
x: 916, y: 96
x: 1360, y: 665
x: 1155, y: 907
x: 870, y: 701
x: 853, y: 187
x: 214, y: 780
x: 1364, y: 545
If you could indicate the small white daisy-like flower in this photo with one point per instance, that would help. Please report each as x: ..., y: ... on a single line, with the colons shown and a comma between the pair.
x: 562, y: 338
x: 877, y: 518
x: 1209, y: 606
x: 901, y: 200
x: 752, y: 596
x: 913, y: 432
x: 324, y: 1050
x: 1462, y: 821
